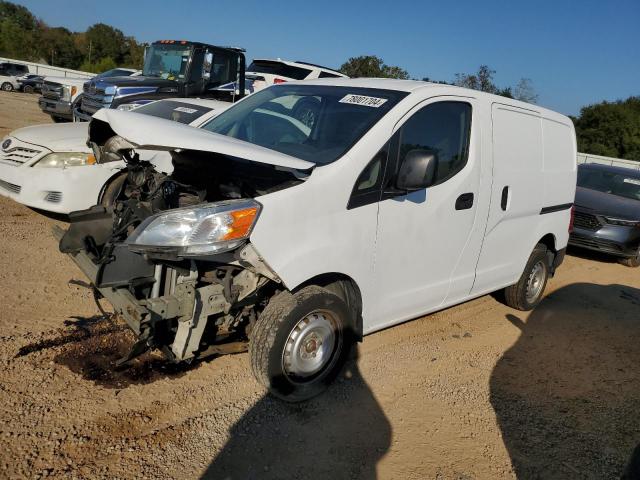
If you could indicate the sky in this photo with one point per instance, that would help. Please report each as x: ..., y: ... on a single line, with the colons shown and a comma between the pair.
x: 576, y: 52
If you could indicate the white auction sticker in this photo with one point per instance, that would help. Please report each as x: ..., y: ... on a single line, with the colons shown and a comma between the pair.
x: 185, y: 110
x: 363, y: 100
x: 634, y: 181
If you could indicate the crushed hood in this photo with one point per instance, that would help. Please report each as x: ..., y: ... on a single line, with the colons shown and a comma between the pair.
x: 58, y: 137
x: 152, y: 133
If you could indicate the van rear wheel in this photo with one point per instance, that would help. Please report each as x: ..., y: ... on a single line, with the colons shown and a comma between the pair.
x: 527, y: 293
x: 300, y: 342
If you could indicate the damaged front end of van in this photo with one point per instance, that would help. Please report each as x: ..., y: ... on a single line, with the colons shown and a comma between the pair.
x: 172, y: 255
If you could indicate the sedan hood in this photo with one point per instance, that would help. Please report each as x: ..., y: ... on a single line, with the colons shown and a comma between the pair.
x: 60, y: 137
x: 606, y: 204
x: 152, y: 133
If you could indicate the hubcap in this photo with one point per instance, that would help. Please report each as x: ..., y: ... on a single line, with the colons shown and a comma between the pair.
x: 535, y: 282
x: 311, y: 346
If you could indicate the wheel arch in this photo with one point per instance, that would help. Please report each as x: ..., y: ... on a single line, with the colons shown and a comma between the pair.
x: 106, y: 184
x: 549, y: 241
x: 346, y: 288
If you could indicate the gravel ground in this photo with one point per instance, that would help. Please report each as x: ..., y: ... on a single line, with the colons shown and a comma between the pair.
x: 473, y: 392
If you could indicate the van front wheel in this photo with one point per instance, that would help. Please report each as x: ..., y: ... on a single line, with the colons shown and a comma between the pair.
x: 527, y: 293
x: 300, y: 342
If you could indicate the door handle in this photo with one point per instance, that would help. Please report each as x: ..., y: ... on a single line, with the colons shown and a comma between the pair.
x: 504, y: 200
x: 464, y: 201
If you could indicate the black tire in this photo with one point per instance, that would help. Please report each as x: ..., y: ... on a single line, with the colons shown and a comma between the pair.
x: 58, y: 119
x: 28, y: 89
x: 112, y: 191
x: 519, y: 295
x: 273, y: 331
x: 633, y: 262
x: 7, y: 87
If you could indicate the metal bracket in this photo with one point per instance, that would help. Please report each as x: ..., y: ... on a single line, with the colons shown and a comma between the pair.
x: 179, y: 304
x: 209, y: 300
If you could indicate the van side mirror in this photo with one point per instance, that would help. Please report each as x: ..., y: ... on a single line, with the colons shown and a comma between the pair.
x: 207, y: 65
x: 417, y: 170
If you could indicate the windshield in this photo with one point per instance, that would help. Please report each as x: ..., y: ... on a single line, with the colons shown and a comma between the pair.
x: 311, y: 122
x: 278, y: 68
x: 167, y: 61
x: 615, y: 183
x: 180, y: 112
x: 116, y: 72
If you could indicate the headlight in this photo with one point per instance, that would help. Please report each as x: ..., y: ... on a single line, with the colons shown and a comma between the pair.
x: 622, y: 222
x: 204, y: 230
x: 66, y: 159
x: 127, y: 106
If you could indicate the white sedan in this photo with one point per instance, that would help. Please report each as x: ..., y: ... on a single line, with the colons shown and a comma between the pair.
x: 51, y: 167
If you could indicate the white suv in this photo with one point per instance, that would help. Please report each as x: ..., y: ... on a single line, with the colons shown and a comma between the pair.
x: 263, y: 72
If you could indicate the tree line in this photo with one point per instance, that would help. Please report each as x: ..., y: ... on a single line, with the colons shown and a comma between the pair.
x: 101, y: 47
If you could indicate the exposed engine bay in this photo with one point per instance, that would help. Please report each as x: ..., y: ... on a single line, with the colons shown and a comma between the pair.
x: 187, y: 305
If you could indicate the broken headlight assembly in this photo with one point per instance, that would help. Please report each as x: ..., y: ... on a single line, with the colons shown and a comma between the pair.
x: 206, y: 229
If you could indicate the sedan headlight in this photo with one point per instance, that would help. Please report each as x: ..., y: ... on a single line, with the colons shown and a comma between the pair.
x: 126, y: 107
x: 622, y: 222
x: 203, y: 230
x: 65, y: 159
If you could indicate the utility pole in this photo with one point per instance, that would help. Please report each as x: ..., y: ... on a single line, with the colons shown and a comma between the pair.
x: 89, y: 52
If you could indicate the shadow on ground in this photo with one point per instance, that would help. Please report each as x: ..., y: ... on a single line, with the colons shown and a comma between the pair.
x: 566, y: 394
x: 342, y: 434
x: 592, y: 255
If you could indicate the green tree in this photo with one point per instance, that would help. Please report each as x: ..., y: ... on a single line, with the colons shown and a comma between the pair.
x: 525, y: 92
x: 102, y: 65
x: 18, y: 32
x: 59, y: 48
x: 371, y: 66
x: 483, y: 80
x: 105, y: 41
x: 610, y: 128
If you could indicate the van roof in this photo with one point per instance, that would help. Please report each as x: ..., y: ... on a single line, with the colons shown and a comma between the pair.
x: 415, y: 85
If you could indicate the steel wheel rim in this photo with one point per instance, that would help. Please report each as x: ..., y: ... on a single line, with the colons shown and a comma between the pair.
x: 7, y: 87
x: 312, y: 346
x: 535, y: 282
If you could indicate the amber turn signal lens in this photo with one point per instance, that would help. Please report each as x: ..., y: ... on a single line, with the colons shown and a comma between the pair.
x: 242, y: 222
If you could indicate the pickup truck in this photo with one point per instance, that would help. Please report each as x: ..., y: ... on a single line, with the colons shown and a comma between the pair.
x: 172, y: 68
x: 60, y: 95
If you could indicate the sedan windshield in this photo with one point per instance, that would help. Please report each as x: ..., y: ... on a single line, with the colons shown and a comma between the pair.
x: 180, y: 112
x: 615, y: 183
x: 312, y: 122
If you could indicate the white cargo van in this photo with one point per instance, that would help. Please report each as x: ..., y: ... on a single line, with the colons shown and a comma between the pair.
x: 294, y: 240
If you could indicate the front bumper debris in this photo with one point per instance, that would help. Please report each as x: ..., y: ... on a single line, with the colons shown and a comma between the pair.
x: 123, y: 302
x: 188, y: 305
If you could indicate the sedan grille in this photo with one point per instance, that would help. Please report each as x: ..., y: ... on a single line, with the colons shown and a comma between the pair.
x: 11, y: 187
x: 586, y: 221
x: 18, y: 155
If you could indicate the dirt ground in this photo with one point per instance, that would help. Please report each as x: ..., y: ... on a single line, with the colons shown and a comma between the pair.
x: 478, y: 391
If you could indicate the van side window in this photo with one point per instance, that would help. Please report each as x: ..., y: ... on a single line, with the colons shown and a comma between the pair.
x: 368, y: 186
x: 444, y: 128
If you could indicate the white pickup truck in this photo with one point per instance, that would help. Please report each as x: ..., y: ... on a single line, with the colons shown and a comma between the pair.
x: 60, y: 95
